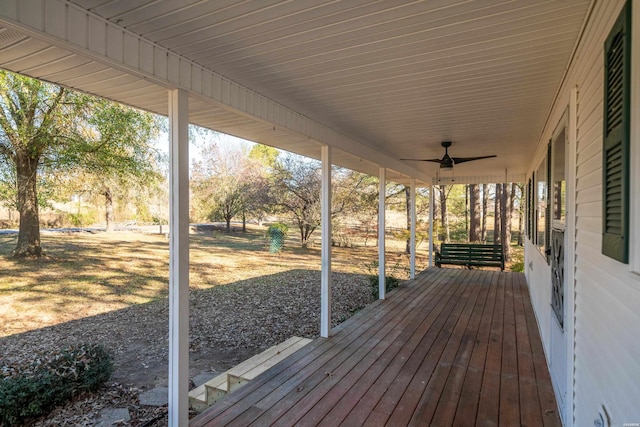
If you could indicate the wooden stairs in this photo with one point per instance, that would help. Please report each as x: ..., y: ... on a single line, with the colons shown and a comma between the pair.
x: 217, y: 388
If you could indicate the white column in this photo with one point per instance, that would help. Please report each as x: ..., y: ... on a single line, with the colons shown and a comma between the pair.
x: 179, y: 259
x: 431, y: 203
x: 569, y: 248
x: 413, y: 230
x: 325, y: 286
x: 381, y: 226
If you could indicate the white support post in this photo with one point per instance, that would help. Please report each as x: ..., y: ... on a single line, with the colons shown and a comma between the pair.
x: 325, y: 287
x: 413, y: 230
x: 412, y: 237
x: 431, y: 203
x: 569, y: 248
x: 179, y: 259
x: 381, y: 228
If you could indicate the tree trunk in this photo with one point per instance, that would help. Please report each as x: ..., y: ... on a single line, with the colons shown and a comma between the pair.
x: 443, y: 213
x: 306, y: 231
x: 407, y: 193
x: 485, y: 204
x: 244, y: 221
x: 496, y: 214
x: 474, y: 215
x: 29, y: 244
x: 108, y: 210
x: 228, y: 221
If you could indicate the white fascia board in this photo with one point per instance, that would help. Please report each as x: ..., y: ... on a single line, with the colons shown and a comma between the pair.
x: 71, y: 27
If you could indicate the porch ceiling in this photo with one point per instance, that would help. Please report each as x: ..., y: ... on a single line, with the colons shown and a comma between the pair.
x: 397, y: 77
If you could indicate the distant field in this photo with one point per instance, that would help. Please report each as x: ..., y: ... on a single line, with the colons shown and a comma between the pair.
x: 86, y: 274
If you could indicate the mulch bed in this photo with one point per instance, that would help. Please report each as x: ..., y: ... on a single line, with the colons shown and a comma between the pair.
x: 228, y: 324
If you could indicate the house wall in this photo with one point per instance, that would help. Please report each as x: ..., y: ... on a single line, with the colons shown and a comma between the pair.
x: 606, y: 332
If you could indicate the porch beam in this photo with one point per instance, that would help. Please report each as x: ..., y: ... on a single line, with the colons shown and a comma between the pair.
x: 325, y: 282
x: 412, y: 239
x: 179, y: 259
x: 382, y: 190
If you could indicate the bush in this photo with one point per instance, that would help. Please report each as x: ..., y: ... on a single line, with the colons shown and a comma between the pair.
x: 36, y: 389
x: 517, y: 259
x: 391, y: 282
x: 82, y: 219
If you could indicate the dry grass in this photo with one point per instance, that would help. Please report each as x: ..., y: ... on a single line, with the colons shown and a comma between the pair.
x: 85, y: 274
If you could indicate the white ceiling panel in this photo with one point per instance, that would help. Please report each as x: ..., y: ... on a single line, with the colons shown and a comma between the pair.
x: 396, y: 76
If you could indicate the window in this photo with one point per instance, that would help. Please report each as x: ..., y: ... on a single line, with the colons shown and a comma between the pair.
x: 530, y: 209
x: 541, y: 206
x: 615, y: 150
x: 557, y: 213
x: 559, y: 180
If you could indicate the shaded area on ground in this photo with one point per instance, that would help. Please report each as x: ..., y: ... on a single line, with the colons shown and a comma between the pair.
x: 228, y: 324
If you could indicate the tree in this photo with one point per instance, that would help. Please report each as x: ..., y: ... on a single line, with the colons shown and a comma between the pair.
x: 265, y: 155
x: 37, y: 131
x: 485, y: 205
x: 355, y: 197
x: 220, y: 183
x: 130, y: 158
x: 497, y: 214
x: 296, y: 190
x: 47, y: 130
x: 262, y: 162
x: 444, y: 193
x: 475, y: 213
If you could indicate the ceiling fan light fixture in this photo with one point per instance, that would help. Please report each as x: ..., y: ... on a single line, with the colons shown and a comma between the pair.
x: 447, y: 162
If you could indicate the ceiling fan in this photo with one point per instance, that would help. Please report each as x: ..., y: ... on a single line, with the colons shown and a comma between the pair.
x: 447, y: 162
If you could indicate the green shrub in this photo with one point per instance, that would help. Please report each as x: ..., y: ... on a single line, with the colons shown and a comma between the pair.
x: 517, y: 259
x: 82, y: 219
x: 391, y: 282
x: 36, y: 389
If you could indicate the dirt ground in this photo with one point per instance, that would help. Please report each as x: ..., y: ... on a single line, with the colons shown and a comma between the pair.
x: 112, y: 289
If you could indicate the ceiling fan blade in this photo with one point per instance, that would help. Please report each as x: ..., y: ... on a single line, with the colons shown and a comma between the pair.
x: 424, y: 160
x: 457, y: 160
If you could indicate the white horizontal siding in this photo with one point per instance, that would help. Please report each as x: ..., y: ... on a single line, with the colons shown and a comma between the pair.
x: 539, y: 277
x: 607, y: 295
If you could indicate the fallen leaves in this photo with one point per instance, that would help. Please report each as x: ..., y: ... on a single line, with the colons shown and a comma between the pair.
x: 238, y: 320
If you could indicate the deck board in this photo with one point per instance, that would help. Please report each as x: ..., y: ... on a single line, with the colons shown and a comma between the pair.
x: 453, y: 347
x: 451, y: 394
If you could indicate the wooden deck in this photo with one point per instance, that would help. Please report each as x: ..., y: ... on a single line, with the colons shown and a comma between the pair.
x: 453, y: 347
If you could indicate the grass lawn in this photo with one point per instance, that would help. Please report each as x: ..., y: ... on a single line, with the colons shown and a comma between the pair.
x: 86, y: 274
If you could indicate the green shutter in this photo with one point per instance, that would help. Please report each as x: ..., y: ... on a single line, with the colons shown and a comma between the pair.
x: 547, y: 210
x: 615, y: 151
x: 529, y: 209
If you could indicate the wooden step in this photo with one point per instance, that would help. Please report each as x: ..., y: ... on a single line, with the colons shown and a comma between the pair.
x: 251, y: 368
x: 217, y: 388
x: 198, y: 399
